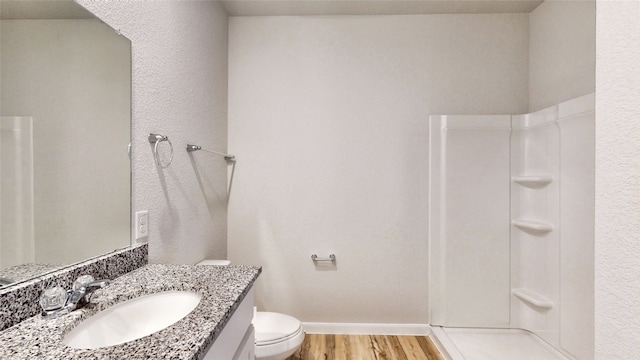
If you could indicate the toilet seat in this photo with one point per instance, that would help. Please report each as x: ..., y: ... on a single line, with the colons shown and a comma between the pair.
x: 277, y: 335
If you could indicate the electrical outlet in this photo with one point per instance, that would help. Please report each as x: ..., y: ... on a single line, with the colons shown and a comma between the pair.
x: 142, y: 224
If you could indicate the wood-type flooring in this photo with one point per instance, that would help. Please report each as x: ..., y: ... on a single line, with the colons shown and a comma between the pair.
x: 366, y: 347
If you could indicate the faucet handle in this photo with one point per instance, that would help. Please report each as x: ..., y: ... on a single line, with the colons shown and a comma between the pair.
x: 82, y: 281
x: 53, y: 299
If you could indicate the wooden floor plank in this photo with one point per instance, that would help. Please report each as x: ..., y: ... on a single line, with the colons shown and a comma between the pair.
x: 396, y: 348
x: 411, y: 347
x: 342, y: 344
x: 316, y: 347
x: 366, y: 347
x: 386, y: 351
x: 330, y: 347
x: 359, y: 345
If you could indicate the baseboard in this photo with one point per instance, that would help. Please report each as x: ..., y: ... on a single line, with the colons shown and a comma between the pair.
x: 366, y: 329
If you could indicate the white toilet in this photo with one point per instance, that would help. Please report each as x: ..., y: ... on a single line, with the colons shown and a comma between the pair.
x: 278, y: 336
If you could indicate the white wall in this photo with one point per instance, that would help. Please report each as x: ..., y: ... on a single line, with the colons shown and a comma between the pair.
x: 617, y: 264
x: 73, y: 77
x: 561, y: 52
x: 179, y: 89
x: 468, y: 221
x: 328, y: 120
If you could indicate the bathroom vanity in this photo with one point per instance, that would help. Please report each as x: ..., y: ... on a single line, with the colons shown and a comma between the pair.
x: 219, y: 327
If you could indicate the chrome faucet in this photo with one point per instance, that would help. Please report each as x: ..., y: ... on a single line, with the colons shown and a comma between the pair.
x: 56, y: 301
x: 83, y: 288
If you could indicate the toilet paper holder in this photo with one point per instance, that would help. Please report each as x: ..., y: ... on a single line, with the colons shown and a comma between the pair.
x: 315, y: 258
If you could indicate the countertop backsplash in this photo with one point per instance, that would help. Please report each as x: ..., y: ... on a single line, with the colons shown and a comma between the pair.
x: 20, y: 301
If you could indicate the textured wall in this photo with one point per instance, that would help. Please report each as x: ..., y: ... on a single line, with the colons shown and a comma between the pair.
x: 329, y: 119
x: 179, y: 51
x: 561, y: 52
x: 617, y: 252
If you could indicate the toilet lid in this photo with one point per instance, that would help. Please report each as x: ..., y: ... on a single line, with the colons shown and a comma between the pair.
x: 270, y: 327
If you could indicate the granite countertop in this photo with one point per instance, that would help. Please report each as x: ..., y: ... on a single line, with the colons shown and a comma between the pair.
x: 222, y: 289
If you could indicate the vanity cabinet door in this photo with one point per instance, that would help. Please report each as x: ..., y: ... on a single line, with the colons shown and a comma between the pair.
x: 247, y: 349
x: 237, y: 337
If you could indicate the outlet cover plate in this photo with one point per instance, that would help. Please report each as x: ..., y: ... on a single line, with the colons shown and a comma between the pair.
x: 142, y: 224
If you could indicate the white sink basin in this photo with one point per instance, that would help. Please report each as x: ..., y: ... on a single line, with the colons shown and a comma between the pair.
x: 132, y: 319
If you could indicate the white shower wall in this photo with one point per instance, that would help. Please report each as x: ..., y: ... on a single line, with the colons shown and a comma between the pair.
x: 556, y: 145
x: 549, y: 158
x: 535, y: 214
x: 469, y: 245
x: 577, y: 199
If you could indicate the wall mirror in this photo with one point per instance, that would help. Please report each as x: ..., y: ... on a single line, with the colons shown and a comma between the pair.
x: 65, y: 103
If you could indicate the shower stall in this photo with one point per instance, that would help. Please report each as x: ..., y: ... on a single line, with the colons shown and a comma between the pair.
x: 511, y: 233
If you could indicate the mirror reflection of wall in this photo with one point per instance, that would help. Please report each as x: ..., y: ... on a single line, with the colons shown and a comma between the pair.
x: 65, y: 103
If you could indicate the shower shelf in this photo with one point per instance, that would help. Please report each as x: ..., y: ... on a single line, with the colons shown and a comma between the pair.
x: 533, y: 225
x: 533, y: 298
x: 533, y: 181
